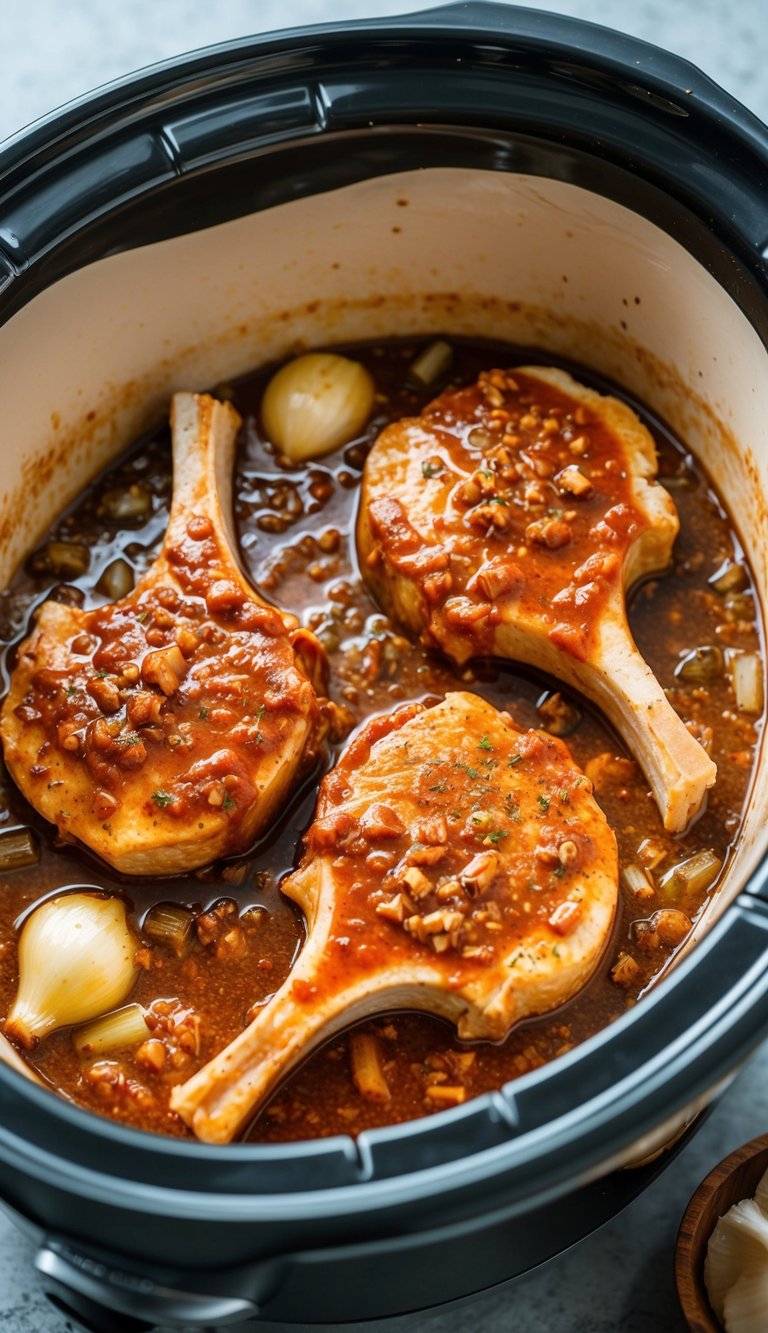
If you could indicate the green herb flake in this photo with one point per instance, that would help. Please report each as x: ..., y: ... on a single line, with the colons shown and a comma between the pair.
x: 162, y: 798
x: 71, y: 689
x: 516, y: 759
x: 544, y: 803
x: 430, y: 469
x: 555, y: 951
x: 439, y: 786
x: 203, y: 714
x: 564, y: 796
x: 228, y: 803
x: 498, y: 835
x: 484, y: 744
x: 559, y: 871
x: 141, y: 617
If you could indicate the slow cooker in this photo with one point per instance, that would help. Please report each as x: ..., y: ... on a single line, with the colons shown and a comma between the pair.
x: 477, y: 169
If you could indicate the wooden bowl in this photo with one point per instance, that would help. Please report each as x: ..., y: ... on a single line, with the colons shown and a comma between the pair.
x: 735, y: 1178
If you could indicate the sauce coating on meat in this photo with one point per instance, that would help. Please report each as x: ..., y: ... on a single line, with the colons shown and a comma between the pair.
x: 487, y: 842
x: 295, y: 525
x: 517, y: 493
x: 163, y: 729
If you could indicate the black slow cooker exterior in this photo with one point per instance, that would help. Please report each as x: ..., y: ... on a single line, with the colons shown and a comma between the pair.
x: 135, y: 1229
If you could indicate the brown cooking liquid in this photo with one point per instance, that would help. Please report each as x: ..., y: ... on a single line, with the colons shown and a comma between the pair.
x: 296, y: 526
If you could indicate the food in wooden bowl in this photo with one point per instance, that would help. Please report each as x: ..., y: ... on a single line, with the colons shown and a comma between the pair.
x: 721, y: 1260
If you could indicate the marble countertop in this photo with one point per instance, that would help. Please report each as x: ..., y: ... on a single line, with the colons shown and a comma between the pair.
x: 621, y: 1279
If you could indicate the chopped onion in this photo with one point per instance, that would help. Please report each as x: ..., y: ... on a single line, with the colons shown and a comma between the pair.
x: 651, y: 853
x: 17, y: 849
x: 730, y: 577
x: 693, y: 875
x: 127, y: 504
x: 316, y: 403
x: 117, y: 580
x: 701, y: 665
x: 367, y: 1069
x: 66, y: 560
x: 114, y: 1032
x: 432, y: 363
x: 637, y: 881
x: 740, y: 607
x: 76, y: 960
x: 171, y: 924
x: 747, y: 678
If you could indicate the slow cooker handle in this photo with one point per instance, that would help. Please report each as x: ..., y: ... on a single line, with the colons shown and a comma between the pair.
x: 102, y: 1298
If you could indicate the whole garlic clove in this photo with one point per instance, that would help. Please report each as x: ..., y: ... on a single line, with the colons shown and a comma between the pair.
x: 738, y: 1243
x: 315, y: 403
x: 76, y: 961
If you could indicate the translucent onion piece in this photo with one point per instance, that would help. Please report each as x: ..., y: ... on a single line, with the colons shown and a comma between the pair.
x: 701, y: 665
x: 17, y: 849
x: 114, y: 1032
x: 745, y: 1308
x: 171, y: 924
x: 738, y: 1244
x: 367, y: 1069
x: 316, y: 403
x: 730, y: 577
x: 67, y: 560
x: 637, y: 881
x: 747, y: 677
x: 117, y: 580
x: 76, y: 961
x: 432, y: 363
x: 693, y: 875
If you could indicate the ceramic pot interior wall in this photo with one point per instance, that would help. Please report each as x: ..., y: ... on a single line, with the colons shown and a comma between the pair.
x: 92, y: 361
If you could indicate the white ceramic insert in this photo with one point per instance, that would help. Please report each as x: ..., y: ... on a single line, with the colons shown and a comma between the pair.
x: 92, y: 361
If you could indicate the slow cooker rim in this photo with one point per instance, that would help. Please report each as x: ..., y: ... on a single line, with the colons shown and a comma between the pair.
x: 737, y: 1007
x: 739, y: 122
x: 655, y: 74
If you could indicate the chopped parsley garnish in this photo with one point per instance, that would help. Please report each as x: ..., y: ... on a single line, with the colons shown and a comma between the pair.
x: 544, y: 803
x: 496, y: 500
x: 162, y: 798
x: 260, y: 711
x: 498, y: 835
x: 439, y: 786
x: 228, y: 803
x: 564, y: 797
x: 132, y: 740
x: 141, y: 617
x: 71, y: 689
x: 484, y: 744
x: 516, y: 759
x: 431, y: 468
x: 559, y: 871
x: 203, y: 714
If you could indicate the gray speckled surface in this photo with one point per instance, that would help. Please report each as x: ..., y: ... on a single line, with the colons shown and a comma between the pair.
x: 621, y: 1278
